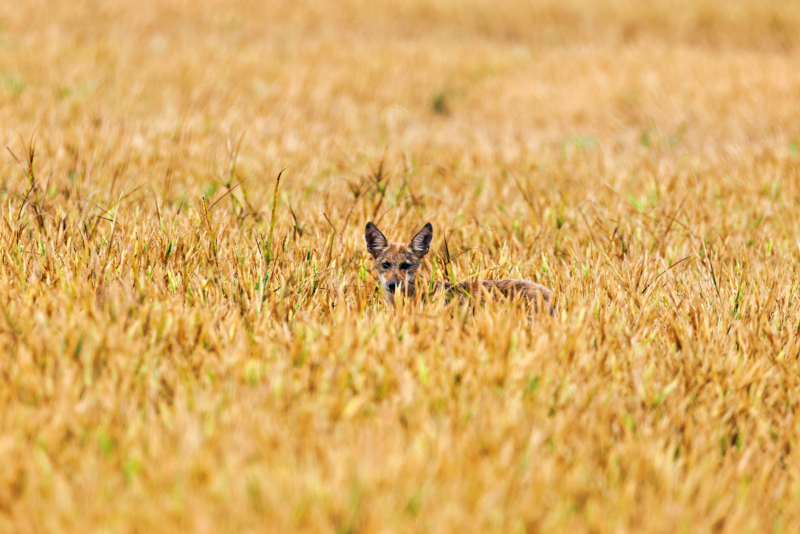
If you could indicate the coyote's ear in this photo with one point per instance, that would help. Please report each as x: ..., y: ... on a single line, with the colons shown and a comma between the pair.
x: 422, y: 241
x: 376, y: 241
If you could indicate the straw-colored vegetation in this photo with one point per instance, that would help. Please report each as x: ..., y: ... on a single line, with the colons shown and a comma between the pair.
x: 171, y: 362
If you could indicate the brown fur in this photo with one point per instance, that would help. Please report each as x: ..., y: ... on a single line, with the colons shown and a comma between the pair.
x: 397, y: 265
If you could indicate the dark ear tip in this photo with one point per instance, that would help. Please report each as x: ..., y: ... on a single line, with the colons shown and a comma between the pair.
x: 370, y: 225
x: 429, y: 226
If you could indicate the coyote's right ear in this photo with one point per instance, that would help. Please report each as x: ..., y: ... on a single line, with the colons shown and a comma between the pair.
x: 376, y: 241
x: 422, y: 241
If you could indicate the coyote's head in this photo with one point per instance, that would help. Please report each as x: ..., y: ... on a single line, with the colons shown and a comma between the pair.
x: 397, y: 263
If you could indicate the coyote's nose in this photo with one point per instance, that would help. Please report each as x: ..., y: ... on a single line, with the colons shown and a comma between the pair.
x: 391, y: 286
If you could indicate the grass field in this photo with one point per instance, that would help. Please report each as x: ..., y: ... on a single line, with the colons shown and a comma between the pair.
x: 171, y: 361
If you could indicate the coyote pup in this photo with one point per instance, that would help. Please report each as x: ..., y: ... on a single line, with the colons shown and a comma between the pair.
x: 397, y: 265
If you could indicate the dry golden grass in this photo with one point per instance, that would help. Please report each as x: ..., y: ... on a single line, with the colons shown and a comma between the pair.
x: 165, y: 368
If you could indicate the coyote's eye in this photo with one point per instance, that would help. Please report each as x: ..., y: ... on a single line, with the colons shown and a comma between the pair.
x: 405, y: 266
x: 386, y: 265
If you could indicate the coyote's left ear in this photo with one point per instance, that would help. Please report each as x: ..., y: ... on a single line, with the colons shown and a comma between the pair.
x: 376, y: 241
x: 422, y: 241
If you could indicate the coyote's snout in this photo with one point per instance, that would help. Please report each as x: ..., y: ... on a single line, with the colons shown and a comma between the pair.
x: 397, y: 265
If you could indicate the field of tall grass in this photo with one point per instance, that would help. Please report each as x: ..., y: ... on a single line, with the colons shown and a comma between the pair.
x: 189, y: 344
